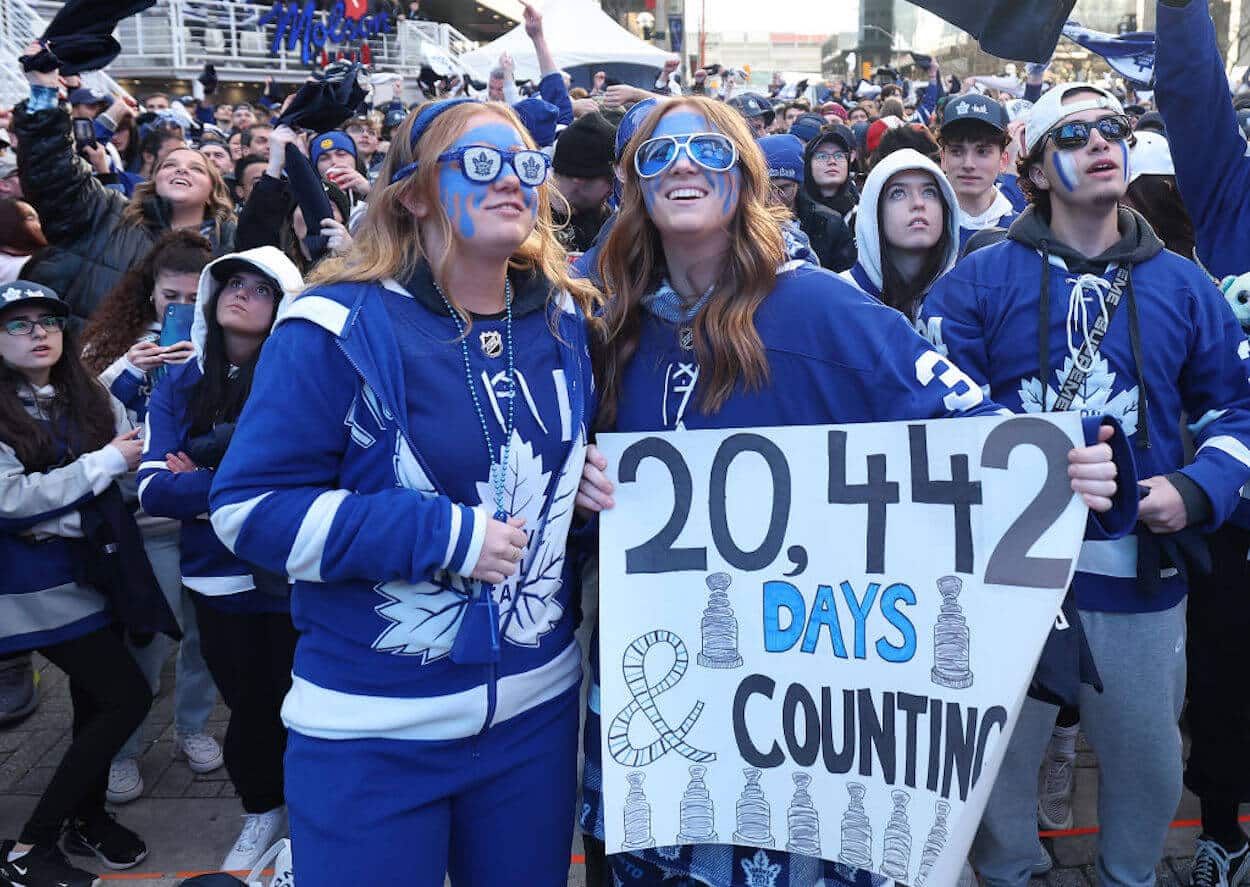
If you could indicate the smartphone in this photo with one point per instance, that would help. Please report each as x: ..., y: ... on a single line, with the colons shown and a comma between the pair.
x: 175, y: 328
x: 84, y: 132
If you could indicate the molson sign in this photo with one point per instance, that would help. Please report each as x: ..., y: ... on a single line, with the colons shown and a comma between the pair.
x: 305, y: 27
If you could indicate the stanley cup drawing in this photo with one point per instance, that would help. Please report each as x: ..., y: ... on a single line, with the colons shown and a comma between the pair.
x: 896, y: 850
x: 753, y: 816
x: 934, y: 844
x: 695, y: 814
x: 856, y: 849
x: 951, y: 638
x: 719, y: 627
x: 802, y: 820
x: 637, y: 815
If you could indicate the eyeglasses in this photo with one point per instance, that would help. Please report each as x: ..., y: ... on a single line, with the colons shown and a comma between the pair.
x: 710, y: 150
x: 1074, y: 135
x: 49, y: 323
x: 835, y: 156
x: 482, y: 164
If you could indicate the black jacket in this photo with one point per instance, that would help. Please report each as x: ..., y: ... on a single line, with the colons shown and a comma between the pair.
x: 89, y: 248
x: 831, y: 237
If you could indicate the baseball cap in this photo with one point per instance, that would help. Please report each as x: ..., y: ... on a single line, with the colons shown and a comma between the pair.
x: 86, y: 95
x: 1152, y: 121
x: 328, y: 141
x: 751, y: 105
x: 25, y: 292
x: 1151, y: 156
x: 1050, y: 109
x: 784, y: 154
x: 977, y: 109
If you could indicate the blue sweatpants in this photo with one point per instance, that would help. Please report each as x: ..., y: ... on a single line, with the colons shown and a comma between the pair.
x: 497, y: 808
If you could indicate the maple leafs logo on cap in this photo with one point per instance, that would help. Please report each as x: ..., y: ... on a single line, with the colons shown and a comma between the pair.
x: 12, y: 294
x: 482, y: 164
x: 531, y: 167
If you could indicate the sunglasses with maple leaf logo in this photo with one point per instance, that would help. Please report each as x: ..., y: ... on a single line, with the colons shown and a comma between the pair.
x: 482, y: 164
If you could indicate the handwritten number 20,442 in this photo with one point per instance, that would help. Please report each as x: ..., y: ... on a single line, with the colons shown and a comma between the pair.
x: 1009, y: 563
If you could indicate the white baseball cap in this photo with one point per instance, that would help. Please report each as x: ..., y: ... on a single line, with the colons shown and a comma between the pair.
x: 1049, y: 110
x: 1151, y: 156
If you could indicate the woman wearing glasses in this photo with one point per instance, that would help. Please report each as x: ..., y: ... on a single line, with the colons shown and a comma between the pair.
x: 432, y: 391
x: 708, y: 328
x: 63, y: 442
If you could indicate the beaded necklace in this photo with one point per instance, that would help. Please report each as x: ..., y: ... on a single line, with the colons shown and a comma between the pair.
x: 477, y: 640
x: 498, y: 477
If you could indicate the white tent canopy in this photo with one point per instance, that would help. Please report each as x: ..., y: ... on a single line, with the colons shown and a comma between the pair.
x: 578, y: 33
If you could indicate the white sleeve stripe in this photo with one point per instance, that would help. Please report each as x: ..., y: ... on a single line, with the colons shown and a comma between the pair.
x: 304, y: 561
x: 228, y: 520
x: 453, y: 535
x: 1230, y: 446
x: 479, y: 517
x: 143, y: 485
x: 144, y: 466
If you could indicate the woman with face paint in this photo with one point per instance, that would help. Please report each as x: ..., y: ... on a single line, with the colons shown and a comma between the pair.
x: 907, y: 230
x: 432, y: 391
x: 708, y: 327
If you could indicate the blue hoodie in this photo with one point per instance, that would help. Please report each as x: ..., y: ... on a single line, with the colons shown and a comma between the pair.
x: 984, y: 315
x: 359, y: 469
x: 1192, y: 94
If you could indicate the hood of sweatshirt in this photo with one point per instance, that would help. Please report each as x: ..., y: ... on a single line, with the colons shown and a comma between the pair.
x: 867, y: 234
x: 267, y: 260
x: 1138, y: 241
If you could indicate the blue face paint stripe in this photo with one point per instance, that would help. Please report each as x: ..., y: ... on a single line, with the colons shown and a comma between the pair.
x: 1124, y: 157
x: 1063, y: 162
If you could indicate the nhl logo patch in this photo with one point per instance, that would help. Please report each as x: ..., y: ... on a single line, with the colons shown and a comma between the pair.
x: 492, y: 343
x: 685, y: 338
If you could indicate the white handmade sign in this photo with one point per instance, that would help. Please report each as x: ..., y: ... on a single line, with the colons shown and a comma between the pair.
x: 818, y: 639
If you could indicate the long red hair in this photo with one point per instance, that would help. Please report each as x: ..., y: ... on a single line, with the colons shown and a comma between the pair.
x: 725, y: 339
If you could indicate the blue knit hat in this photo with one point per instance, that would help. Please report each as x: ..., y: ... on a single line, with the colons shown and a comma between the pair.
x: 784, y: 154
x: 329, y: 141
x: 539, y: 117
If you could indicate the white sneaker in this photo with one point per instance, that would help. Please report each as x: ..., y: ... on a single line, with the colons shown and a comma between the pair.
x: 260, y: 830
x: 201, y: 751
x: 283, y: 870
x: 125, y: 781
x: 1054, y: 794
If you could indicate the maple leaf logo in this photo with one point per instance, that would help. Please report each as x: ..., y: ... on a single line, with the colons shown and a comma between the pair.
x: 1093, y: 397
x: 483, y: 164
x: 760, y: 871
x: 528, y: 608
x: 530, y: 167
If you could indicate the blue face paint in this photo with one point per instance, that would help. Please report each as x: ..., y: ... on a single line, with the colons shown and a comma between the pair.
x: 1123, y: 143
x: 1066, y: 167
x: 458, y: 195
x: 723, y: 185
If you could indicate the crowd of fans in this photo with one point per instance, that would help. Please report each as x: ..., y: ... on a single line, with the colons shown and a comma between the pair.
x: 162, y: 484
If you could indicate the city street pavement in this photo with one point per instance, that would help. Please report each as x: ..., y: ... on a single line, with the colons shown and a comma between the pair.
x: 189, y: 821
